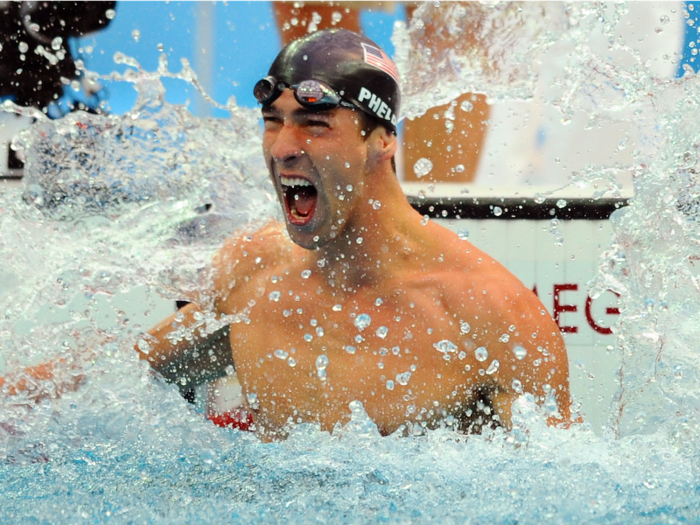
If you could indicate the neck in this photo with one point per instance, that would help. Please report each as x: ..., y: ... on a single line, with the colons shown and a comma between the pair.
x: 377, y: 240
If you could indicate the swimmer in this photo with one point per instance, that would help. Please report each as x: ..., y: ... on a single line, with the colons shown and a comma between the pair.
x: 356, y: 297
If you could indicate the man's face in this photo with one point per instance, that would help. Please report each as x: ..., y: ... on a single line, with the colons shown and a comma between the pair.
x: 317, y: 163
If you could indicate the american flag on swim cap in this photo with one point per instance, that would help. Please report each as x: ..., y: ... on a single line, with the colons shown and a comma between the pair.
x: 377, y: 58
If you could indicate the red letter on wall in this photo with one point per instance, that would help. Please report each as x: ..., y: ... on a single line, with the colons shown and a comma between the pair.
x: 559, y: 308
x: 610, y: 310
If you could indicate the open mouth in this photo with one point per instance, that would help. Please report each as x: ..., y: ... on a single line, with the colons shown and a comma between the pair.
x: 300, y: 198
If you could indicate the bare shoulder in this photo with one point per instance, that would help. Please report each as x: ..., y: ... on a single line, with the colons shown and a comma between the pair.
x: 246, y: 255
x: 477, y: 278
x: 505, y: 314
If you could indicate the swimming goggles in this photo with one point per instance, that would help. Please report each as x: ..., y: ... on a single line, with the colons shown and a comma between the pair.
x: 311, y: 94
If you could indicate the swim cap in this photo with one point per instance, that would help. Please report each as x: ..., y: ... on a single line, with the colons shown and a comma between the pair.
x: 351, y: 64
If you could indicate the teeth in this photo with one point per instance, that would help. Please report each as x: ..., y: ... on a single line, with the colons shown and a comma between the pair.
x: 294, y: 181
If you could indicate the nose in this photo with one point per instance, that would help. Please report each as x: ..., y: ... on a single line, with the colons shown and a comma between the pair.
x: 286, y: 144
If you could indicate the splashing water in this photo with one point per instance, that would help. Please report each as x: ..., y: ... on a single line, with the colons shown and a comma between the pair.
x: 110, y: 203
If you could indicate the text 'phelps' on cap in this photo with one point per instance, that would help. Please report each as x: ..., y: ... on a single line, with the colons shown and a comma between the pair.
x: 351, y: 64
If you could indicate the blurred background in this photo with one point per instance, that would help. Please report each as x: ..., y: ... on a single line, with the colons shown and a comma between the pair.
x: 230, y: 46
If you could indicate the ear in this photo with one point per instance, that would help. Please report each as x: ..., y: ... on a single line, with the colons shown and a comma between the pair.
x: 382, y: 144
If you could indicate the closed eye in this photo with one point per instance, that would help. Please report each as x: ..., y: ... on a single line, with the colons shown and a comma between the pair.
x: 271, y: 120
x: 317, y: 123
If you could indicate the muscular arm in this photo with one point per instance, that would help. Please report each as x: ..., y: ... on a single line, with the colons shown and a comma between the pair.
x: 535, y: 362
x: 518, y: 333
x: 183, y: 353
x: 179, y: 348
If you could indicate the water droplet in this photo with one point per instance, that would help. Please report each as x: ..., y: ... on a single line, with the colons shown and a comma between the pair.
x: 136, y: 35
x: 462, y: 355
x: 319, y: 331
x: 348, y: 188
x: 413, y: 368
x: 23, y: 47
x: 336, y: 17
x: 359, y: 338
x: 306, y: 274
x: 347, y: 164
x: 464, y: 327
x: 281, y: 354
x: 446, y: 347
x: 481, y: 354
x: 287, y: 313
x: 390, y: 385
x: 504, y: 338
x: 422, y: 167
x: 497, y: 211
x: 463, y: 234
x: 350, y: 349
x: 313, y: 322
x: 292, y: 362
x: 517, y: 386
x: 511, y: 328
x: 359, y: 240
x: 449, y: 126
x: 362, y: 321
x: 382, y: 331
x: 459, y: 168
x: 308, y: 337
x: 144, y: 346
x: 493, y: 367
x: 275, y: 296
x: 466, y: 106
x: 561, y: 203
x: 337, y: 307
x: 378, y: 302
x: 376, y: 205
x: 424, y: 220
x: 321, y: 362
x: 56, y: 43
x: 520, y: 352
x: 252, y: 398
x: 110, y: 14
x: 403, y: 379
x: 396, y: 350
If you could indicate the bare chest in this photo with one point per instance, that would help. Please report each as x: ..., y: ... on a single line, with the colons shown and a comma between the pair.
x: 303, y: 357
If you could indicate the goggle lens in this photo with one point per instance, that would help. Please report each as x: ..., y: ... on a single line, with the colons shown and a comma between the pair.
x: 312, y: 93
x: 264, y: 90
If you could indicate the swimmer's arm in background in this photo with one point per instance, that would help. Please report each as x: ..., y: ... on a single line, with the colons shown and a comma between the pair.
x: 186, y: 362
x: 43, y: 381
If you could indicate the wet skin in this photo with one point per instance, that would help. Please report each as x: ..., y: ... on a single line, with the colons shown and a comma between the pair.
x: 416, y: 279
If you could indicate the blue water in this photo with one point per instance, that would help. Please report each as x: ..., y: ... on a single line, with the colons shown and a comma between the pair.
x: 109, y: 465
